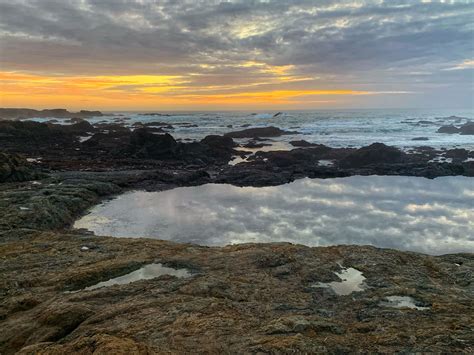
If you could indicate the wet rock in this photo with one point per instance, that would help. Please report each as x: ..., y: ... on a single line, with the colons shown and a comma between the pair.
x: 256, y: 144
x: 219, y: 142
x: 80, y: 127
x: 302, y: 143
x: 450, y: 129
x: 109, y: 142
x: 467, y: 129
x: 259, y: 132
x: 376, y: 153
x: 420, y: 139
x: 145, y: 144
x: 14, y: 168
x: 457, y: 154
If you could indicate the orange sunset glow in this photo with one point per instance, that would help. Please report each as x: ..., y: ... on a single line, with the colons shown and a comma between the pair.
x: 151, y: 91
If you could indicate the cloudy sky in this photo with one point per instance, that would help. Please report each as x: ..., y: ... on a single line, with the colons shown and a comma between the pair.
x: 200, y: 55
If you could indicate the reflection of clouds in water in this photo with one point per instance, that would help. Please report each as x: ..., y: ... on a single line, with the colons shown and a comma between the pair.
x: 433, y: 216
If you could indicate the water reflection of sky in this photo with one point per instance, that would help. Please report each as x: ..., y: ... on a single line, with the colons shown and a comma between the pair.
x: 409, y: 213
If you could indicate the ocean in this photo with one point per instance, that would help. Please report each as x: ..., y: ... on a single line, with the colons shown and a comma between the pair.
x: 335, y: 128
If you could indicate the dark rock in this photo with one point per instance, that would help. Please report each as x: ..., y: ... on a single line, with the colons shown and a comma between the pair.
x: 420, y: 139
x: 13, y: 168
x: 76, y: 128
x: 467, y: 129
x: 448, y: 129
x: 145, y: 144
x: 376, y: 153
x: 255, y: 144
x: 259, y: 132
x: 219, y: 142
x: 457, y: 154
x: 302, y: 143
x: 24, y: 113
x: 111, y: 127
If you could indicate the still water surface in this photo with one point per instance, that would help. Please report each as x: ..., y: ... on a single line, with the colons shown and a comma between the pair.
x: 407, y: 213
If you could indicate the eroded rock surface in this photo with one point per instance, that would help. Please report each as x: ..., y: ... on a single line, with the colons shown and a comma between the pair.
x: 244, y: 298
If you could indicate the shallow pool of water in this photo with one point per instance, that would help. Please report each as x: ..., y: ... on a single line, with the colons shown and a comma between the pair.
x: 352, y: 280
x: 408, y: 213
x: 147, y: 272
x: 403, y: 302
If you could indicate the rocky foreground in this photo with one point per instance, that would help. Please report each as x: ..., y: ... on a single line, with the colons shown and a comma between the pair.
x: 245, y: 298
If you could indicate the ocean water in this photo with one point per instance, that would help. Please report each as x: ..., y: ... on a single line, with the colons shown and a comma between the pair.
x: 343, y: 128
x: 408, y: 213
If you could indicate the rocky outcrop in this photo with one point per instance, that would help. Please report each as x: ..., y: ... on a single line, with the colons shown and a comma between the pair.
x: 450, y: 129
x: 145, y: 144
x: 14, y: 168
x: 303, y: 143
x: 259, y: 132
x: 376, y: 153
x: 240, y: 299
x: 467, y: 129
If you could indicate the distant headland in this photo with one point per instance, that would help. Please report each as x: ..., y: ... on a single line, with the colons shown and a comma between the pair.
x: 23, y: 113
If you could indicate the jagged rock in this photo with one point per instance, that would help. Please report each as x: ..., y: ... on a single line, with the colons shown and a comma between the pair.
x: 376, y: 153
x: 144, y: 144
x: 259, y: 132
x: 13, y: 168
x: 302, y: 143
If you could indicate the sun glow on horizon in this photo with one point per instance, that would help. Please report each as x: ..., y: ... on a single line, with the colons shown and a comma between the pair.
x: 21, y: 89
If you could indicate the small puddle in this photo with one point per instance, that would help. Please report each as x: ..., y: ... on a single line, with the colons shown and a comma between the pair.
x: 325, y: 163
x: 402, y: 302
x: 147, y: 272
x: 352, y: 280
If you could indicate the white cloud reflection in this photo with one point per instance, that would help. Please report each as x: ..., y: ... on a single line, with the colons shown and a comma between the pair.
x: 408, y: 213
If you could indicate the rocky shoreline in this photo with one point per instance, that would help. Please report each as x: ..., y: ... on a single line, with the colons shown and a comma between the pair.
x: 242, y: 298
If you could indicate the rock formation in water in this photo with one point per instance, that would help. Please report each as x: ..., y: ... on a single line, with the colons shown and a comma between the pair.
x: 465, y: 129
x: 259, y: 132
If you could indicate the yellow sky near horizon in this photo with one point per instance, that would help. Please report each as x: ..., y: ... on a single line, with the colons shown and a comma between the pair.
x: 167, y: 92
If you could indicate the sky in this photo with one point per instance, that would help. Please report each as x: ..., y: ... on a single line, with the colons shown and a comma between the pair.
x: 236, y: 55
